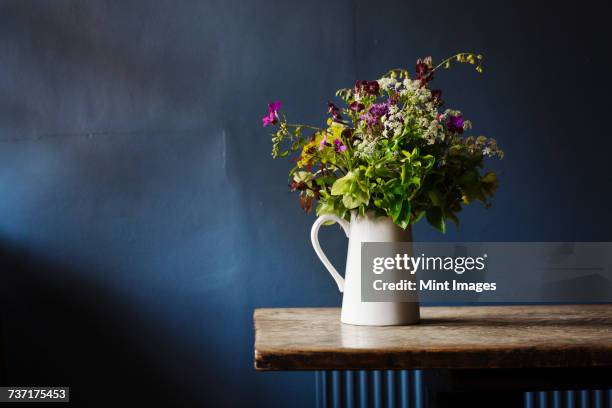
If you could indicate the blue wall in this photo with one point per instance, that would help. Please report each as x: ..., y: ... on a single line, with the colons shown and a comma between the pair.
x: 142, y: 218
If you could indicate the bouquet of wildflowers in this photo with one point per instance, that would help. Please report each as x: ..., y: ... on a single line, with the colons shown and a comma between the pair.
x: 393, y: 149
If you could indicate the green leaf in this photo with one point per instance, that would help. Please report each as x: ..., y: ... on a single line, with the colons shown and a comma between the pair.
x: 453, y: 217
x: 403, y: 220
x: 471, y: 186
x: 395, y: 209
x: 354, y: 200
x: 436, y: 219
x: 489, y: 183
x: 302, y: 176
x: 418, y: 216
x: 435, y: 197
x: 343, y: 184
x: 455, y: 150
x: 429, y: 161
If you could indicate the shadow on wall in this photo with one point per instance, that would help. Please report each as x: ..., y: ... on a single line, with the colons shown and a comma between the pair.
x: 68, y: 332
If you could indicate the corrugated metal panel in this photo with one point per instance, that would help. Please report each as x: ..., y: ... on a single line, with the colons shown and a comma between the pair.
x: 569, y: 399
x: 366, y: 389
x: 404, y: 389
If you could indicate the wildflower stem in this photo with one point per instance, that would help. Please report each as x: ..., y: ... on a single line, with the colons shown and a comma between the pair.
x: 304, y: 126
x: 446, y: 60
x: 452, y: 57
x: 334, y: 168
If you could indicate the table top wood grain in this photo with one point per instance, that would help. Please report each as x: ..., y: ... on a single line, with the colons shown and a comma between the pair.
x: 472, y: 337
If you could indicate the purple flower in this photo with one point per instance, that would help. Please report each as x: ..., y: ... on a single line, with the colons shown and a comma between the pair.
x: 334, y: 111
x: 272, y: 116
x: 323, y: 142
x: 455, y: 124
x: 376, y: 111
x: 339, y: 147
x: 356, y: 106
x: 379, y: 109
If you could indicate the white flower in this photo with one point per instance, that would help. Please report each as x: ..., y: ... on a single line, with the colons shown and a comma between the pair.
x: 387, y: 83
x: 434, y: 132
x: 366, y: 148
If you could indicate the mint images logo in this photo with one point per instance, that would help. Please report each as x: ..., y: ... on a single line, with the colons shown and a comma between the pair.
x: 412, y: 264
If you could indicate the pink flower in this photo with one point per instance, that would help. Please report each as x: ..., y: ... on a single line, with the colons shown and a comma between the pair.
x: 272, y: 116
x: 323, y: 142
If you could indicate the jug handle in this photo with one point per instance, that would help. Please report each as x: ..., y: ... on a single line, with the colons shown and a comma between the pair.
x: 314, y: 238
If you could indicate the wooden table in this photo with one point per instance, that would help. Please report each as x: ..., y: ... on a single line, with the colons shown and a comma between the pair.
x: 460, y: 348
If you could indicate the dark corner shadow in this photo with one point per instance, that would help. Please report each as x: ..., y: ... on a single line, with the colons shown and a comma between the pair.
x: 56, y: 331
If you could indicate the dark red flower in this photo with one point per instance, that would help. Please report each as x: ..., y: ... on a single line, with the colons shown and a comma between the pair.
x: 394, y: 98
x: 359, y: 85
x: 423, y: 70
x: 356, y: 106
x: 372, y: 88
x: 334, y: 111
x: 367, y: 87
x: 306, y: 203
x: 436, y: 96
x: 301, y: 186
x: 347, y: 133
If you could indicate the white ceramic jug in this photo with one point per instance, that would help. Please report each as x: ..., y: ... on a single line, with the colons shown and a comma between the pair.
x: 366, y: 228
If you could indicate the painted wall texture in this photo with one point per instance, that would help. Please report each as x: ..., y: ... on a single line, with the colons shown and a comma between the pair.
x: 142, y: 218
